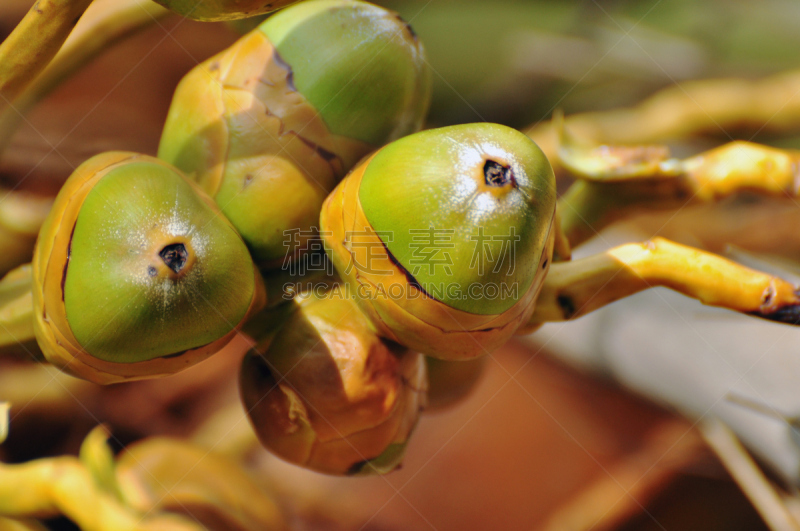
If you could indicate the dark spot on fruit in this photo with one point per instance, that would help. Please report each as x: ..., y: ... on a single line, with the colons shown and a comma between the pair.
x: 495, y: 174
x: 152, y: 271
x: 174, y: 256
x: 321, y: 151
x: 408, y: 27
x: 330, y: 158
x: 409, y: 277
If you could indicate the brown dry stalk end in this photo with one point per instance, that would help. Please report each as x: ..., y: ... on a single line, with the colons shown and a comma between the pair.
x: 495, y: 174
x: 174, y: 256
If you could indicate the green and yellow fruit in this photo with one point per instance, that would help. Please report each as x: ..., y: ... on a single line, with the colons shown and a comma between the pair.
x: 208, y: 10
x: 270, y: 125
x: 136, y: 272
x: 329, y: 394
x: 445, y: 237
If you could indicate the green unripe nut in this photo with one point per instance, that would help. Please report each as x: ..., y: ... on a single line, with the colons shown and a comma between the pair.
x: 487, y: 193
x: 270, y: 125
x: 136, y: 272
x: 362, y: 67
x: 446, y: 236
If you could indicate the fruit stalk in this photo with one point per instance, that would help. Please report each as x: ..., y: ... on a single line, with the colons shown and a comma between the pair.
x: 575, y: 288
x: 34, y: 43
x: 16, y: 311
x: 92, y: 37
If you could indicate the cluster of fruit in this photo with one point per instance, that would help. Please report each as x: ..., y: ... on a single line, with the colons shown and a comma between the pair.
x: 294, y: 199
x: 147, y: 265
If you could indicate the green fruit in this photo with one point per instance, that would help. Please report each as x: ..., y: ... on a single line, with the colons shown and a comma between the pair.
x: 136, y: 272
x: 446, y: 236
x: 361, y: 66
x: 269, y: 126
x: 483, y: 195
